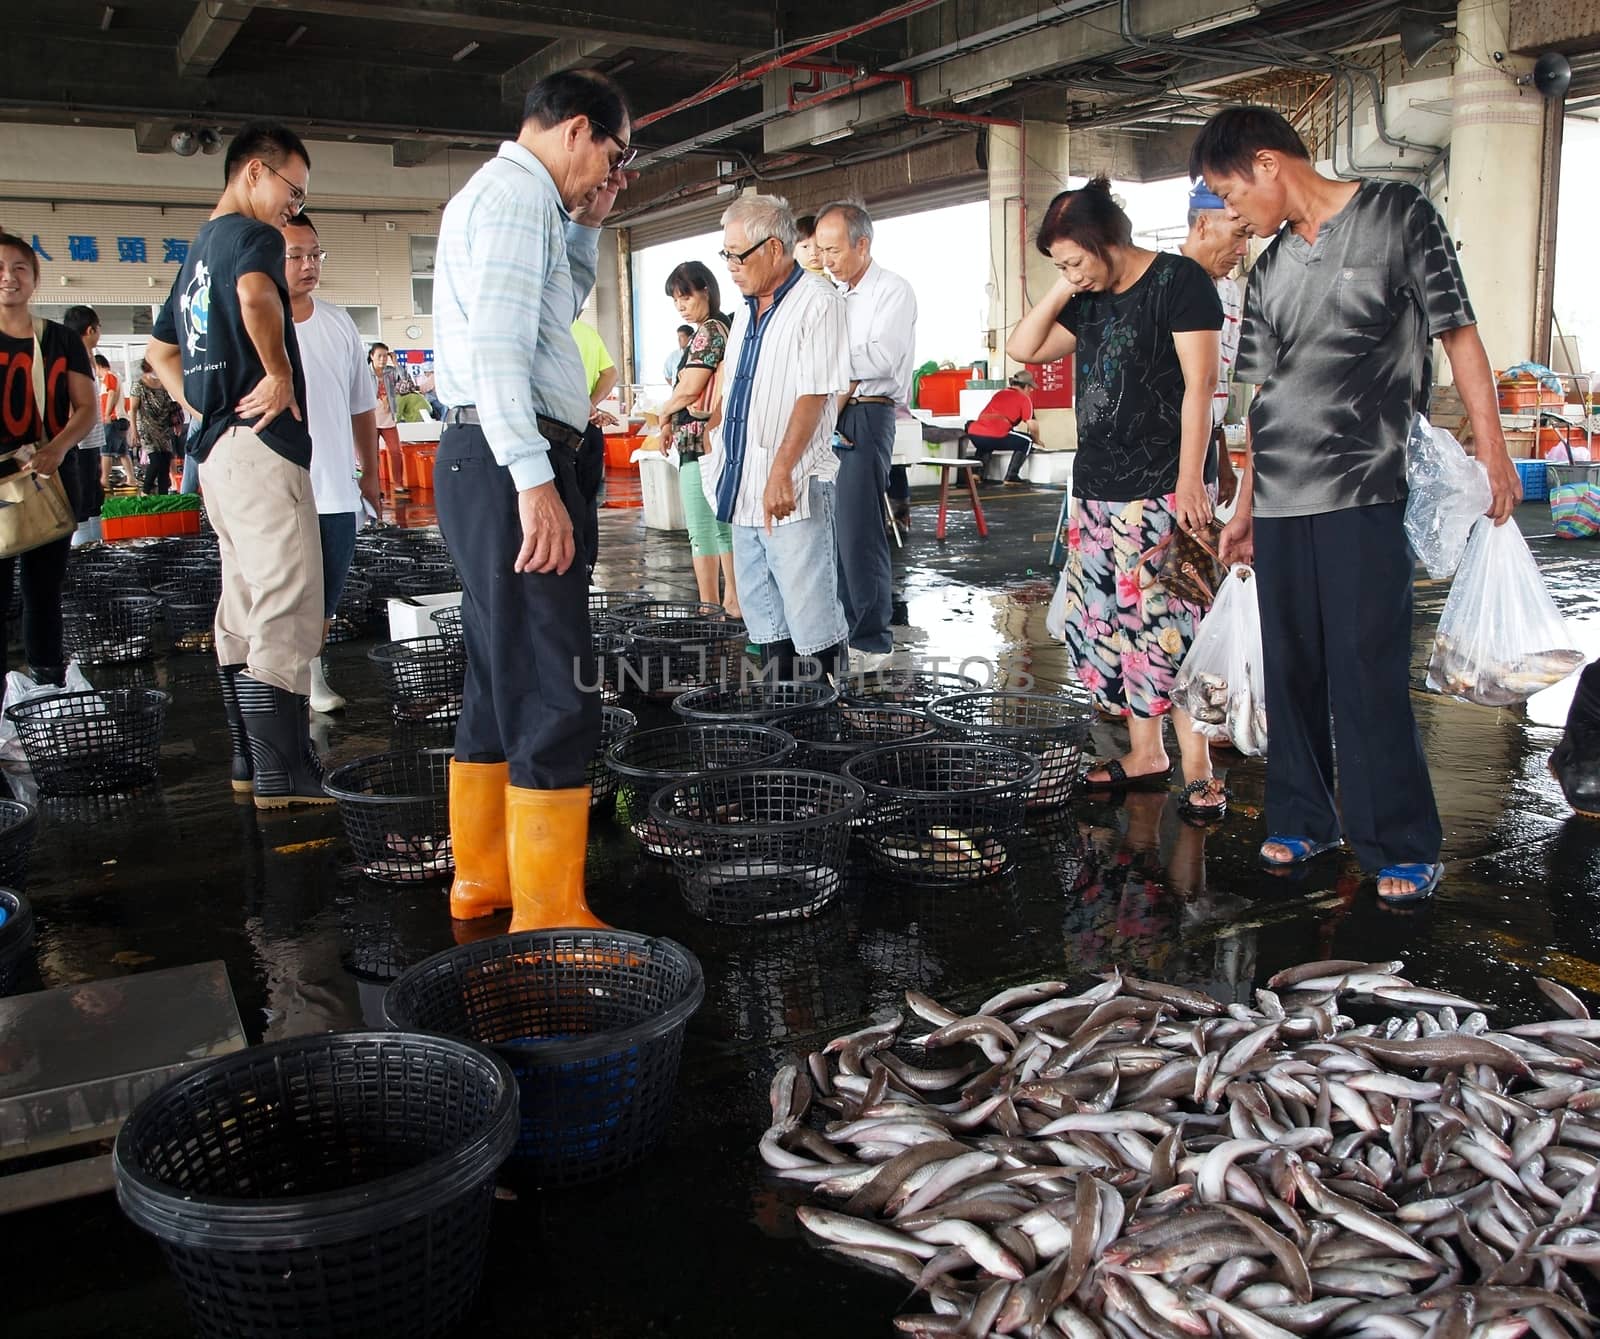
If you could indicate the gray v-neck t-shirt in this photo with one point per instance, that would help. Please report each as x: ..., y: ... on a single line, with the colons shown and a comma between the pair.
x: 1337, y: 334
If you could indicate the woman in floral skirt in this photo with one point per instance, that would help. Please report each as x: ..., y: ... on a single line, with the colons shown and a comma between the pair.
x: 1144, y: 326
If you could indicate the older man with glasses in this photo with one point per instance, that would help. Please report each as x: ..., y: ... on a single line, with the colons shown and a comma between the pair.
x: 225, y: 344
x: 772, y: 473
x: 518, y: 248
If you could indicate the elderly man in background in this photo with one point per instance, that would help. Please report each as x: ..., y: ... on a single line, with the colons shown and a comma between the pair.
x: 518, y: 247
x: 881, y: 311
x: 1217, y: 242
x: 772, y: 473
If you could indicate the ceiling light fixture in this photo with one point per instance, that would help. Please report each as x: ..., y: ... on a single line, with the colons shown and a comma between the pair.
x: 184, y: 143
x: 833, y: 135
x: 105, y: 19
x: 465, y: 51
x: 295, y: 36
x: 210, y: 141
x: 981, y: 91
x: 1218, y: 21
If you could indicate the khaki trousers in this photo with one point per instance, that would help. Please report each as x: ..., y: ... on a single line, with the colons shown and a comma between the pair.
x: 262, y: 508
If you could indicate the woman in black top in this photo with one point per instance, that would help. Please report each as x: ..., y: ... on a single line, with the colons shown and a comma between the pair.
x: 52, y: 429
x: 1144, y: 327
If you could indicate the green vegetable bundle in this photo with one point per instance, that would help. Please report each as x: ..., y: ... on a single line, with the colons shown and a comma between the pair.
x: 116, y: 507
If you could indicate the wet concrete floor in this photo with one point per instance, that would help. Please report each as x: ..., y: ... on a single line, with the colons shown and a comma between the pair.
x: 696, y: 1241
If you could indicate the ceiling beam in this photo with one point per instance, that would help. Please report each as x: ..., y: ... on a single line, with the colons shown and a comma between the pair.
x: 213, y: 26
x: 511, y: 18
x: 152, y: 136
x: 415, y: 152
x: 569, y: 53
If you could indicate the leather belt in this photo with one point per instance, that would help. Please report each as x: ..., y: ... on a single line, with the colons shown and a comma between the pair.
x: 555, y: 431
x: 870, y: 399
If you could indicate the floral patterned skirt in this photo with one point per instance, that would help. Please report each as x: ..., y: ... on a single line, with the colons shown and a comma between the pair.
x: 1126, y: 635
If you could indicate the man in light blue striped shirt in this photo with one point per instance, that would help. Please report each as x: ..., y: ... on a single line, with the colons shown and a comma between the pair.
x: 516, y: 259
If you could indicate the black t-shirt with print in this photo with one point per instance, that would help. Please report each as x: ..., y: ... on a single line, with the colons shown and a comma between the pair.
x: 64, y: 352
x: 203, y: 318
x: 1130, y: 386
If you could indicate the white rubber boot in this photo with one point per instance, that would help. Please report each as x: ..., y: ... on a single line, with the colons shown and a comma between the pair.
x: 323, y: 698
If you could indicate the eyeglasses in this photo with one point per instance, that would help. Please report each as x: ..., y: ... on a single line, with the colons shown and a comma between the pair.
x: 628, y: 154
x: 316, y: 257
x: 297, y: 194
x: 739, y: 257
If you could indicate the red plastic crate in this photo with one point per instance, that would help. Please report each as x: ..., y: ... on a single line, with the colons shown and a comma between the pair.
x: 940, y: 392
x: 620, y: 447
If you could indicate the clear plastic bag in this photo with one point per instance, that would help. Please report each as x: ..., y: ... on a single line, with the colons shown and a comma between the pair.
x: 1449, y: 491
x: 1220, y: 683
x: 1501, y: 638
x: 22, y: 688
x: 1055, y: 618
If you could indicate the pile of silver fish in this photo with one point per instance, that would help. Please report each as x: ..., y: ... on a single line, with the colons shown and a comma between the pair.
x: 1139, y: 1159
x: 1459, y: 671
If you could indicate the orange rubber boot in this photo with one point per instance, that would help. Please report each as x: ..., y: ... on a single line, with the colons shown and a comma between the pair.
x: 478, y: 838
x: 547, y: 840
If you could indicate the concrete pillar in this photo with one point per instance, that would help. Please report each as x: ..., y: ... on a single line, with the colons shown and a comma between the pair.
x: 1495, y: 138
x: 1027, y: 169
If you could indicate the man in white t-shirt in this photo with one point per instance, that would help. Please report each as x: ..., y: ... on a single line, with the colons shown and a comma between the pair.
x: 341, y: 412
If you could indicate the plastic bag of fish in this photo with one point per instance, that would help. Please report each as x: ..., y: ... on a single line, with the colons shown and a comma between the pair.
x: 1220, y: 683
x: 1501, y: 638
x: 1448, y: 492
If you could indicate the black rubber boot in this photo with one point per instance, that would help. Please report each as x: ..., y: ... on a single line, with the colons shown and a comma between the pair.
x: 1575, y: 762
x: 287, y: 769
x: 241, y: 770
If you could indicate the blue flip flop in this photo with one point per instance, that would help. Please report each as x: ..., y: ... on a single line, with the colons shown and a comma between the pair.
x: 1423, y: 878
x: 1301, y: 850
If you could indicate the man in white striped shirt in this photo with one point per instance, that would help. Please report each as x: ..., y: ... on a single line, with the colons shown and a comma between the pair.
x: 1217, y: 241
x: 516, y: 259
x: 771, y: 471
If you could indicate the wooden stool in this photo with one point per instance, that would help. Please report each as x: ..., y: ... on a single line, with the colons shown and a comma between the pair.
x: 967, y: 466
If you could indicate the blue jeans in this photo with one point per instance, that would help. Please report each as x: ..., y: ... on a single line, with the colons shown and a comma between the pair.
x: 338, y: 549
x: 788, y: 580
x: 191, y: 467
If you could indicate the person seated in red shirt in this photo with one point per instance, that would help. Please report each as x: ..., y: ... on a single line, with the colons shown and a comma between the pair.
x: 1007, y: 423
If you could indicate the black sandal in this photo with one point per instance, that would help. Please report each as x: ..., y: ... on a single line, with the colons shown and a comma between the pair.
x: 1203, y: 813
x: 1117, y: 777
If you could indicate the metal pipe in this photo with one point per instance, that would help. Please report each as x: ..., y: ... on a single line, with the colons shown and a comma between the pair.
x: 722, y: 86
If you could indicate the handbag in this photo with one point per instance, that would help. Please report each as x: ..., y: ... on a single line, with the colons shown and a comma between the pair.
x: 1188, y: 566
x: 34, y: 510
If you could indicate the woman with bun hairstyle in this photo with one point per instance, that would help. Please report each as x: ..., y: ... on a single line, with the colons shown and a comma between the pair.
x: 1144, y: 328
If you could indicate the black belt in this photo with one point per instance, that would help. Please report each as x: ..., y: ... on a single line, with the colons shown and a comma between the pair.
x: 555, y: 431
x: 870, y: 399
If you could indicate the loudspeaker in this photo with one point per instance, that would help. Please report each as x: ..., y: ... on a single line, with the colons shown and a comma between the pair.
x: 1552, y: 74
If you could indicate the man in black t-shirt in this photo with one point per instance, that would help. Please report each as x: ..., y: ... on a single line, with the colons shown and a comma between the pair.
x: 225, y: 345
x: 1339, y: 317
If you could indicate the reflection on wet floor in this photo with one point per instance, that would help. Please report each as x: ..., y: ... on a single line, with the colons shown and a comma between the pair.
x: 696, y: 1241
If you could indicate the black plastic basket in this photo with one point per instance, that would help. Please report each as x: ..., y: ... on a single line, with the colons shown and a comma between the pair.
x: 615, y: 724
x: 905, y: 688
x: 424, y: 677
x: 759, y: 699
x: 647, y: 760
x: 943, y: 813
x: 395, y: 808
x: 650, y: 610
x: 591, y: 1022
x: 336, y: 1186
x: 112, y: 631
x: 384, y: 572
x: 616, y: 669
x: 92, y: 743
x: 107, y: 568
x: 675, y: 655
x: 447, y: 623
x: 609, y: 601
x: 191, y: 628
x: 16, y: 937
x: 1053, y: 728
x: 19, y: 825
x: 430, y: 579
x: 353, y: 612
x: 755, y: 846
x: 190, y: 582
x: 829, y: 738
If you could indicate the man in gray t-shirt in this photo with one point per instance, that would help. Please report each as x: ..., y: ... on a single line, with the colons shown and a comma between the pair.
x: 1339, y: 317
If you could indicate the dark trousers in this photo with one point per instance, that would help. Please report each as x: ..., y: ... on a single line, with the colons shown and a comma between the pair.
x: 80, y: 473
x: 527, y: 634
x: 1019, y: 444
x: 863, y: 542
x: 591, y: 474
x: 158, y: 472
x: 1335, y: 597
x: 42, y: 572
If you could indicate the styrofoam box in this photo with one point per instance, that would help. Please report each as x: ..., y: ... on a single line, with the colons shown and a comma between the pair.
x: 412, y: 616
x: 428, y: 430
